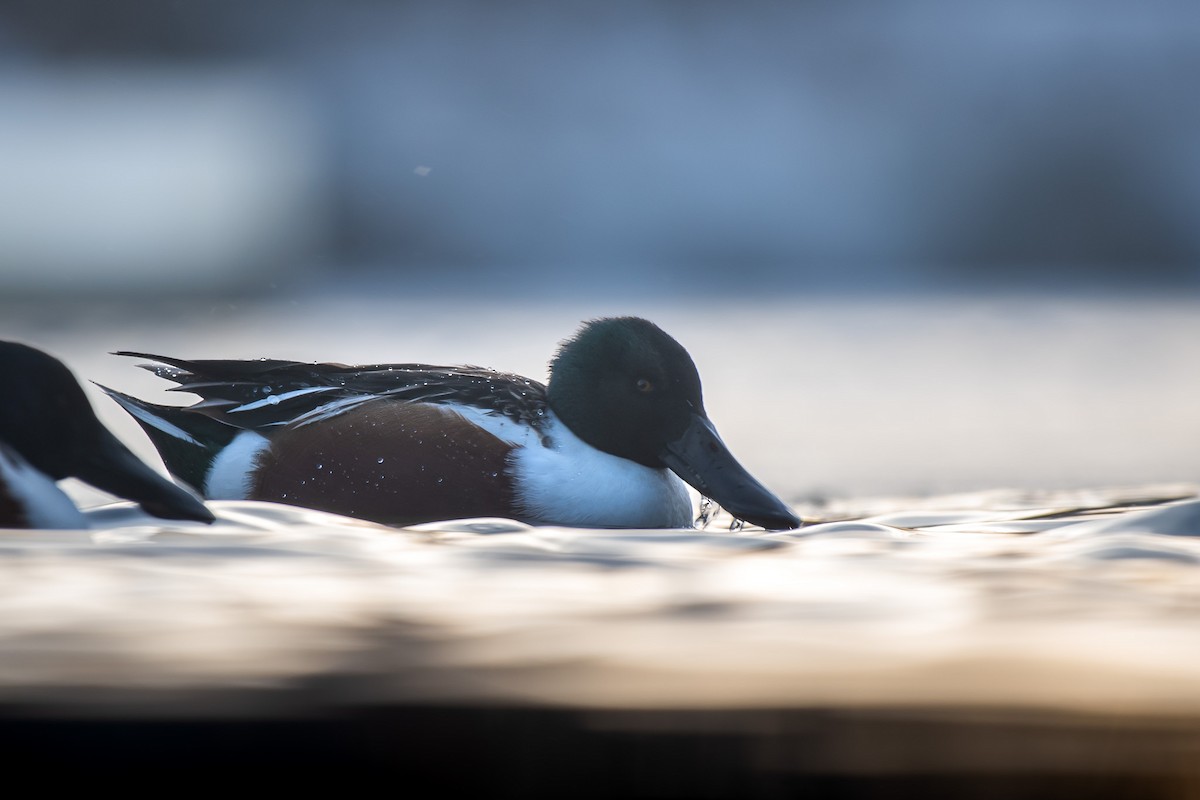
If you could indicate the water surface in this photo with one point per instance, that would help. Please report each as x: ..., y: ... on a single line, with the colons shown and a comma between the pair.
x: 1081, y: 601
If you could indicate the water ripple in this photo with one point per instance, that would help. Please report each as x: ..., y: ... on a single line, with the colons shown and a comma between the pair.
x: 1031, y: 599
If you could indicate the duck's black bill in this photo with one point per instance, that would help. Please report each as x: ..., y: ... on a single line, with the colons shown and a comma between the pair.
x: 112, y: 467
x: 702, y: 459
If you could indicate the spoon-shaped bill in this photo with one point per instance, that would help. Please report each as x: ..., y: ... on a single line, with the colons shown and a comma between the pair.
x: 701, y: 459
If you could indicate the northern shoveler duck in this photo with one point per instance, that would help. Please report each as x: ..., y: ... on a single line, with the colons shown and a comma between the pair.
x: 48, y: 432
x: 603, y: 445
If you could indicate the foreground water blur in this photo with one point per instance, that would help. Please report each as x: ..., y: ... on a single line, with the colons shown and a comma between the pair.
x: 1001, y: 640
x: 1068, y: 601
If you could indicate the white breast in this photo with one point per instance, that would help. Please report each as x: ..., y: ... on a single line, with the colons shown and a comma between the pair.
x: 570, y: 482
x: 46, y: 506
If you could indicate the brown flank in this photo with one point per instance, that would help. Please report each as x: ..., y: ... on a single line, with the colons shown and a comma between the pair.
x: 389, y: 462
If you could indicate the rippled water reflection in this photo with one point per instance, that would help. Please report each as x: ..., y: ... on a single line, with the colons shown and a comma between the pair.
x: 1083, y: 601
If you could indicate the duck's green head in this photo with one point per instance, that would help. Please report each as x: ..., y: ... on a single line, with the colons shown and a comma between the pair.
x: 625, y: 387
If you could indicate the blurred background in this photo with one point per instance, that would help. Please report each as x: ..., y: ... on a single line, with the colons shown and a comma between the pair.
x: 914, y: 247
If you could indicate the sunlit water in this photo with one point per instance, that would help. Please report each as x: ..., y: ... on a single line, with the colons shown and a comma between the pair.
x: 1068, y: 601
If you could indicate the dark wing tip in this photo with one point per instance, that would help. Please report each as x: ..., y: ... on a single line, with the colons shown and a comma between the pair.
x: 137, y: 354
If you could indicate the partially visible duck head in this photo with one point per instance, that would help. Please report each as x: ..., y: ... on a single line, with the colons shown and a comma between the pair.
x: 46, y: 418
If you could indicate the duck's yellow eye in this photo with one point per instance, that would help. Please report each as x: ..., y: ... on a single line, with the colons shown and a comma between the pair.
x: 644, y: 385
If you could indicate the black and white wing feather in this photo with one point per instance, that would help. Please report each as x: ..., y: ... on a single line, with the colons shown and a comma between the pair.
x: 267, y: 393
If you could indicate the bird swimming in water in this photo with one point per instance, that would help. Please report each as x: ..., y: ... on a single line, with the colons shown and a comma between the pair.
x: 609, y: 442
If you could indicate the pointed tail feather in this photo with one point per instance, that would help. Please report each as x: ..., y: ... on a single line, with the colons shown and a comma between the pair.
x: 188, y: 442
